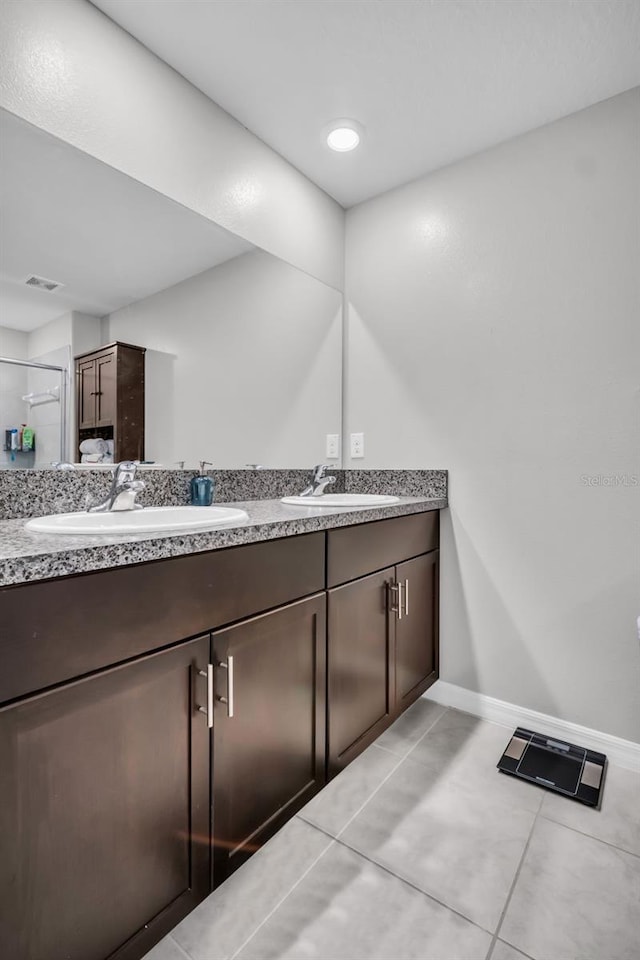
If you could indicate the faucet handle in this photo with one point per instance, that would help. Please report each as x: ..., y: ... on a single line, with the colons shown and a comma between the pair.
x: 318, y: 472
x: 125, y: 470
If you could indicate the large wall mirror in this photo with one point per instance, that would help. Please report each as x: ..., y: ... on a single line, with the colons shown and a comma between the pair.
x: 242, y: 351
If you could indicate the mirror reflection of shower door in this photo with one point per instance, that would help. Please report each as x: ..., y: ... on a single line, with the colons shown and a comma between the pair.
x: 33, y: 412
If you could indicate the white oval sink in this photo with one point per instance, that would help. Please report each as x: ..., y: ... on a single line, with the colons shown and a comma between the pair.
x: 148, y: 520
x: 342, y: 500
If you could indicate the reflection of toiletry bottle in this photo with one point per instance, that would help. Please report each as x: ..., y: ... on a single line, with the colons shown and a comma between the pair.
x: 14, y: 442
x: 22, y: 426
x: 28, y: 438
x: 202, y: 487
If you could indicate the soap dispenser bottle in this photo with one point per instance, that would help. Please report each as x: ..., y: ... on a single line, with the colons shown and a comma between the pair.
x: 202, y: 487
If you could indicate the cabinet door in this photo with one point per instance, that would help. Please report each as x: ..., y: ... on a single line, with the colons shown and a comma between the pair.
x: 360, y: 666
x: 269, y: 735
x: 416, y: 628
x: 86, y: 372
x: 106, y: 389
x: 104, y: 810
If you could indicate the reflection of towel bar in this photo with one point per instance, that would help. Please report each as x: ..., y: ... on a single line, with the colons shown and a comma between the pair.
x: 48, y: 396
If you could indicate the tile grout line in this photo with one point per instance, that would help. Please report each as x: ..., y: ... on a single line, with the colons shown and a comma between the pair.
x: 399, y: 760
x: 176, y: 944
x: 410, y: 883
x: 513, y: 884
x: 420, y: 738
x: 316, y: 826
x: 445, y: 711
x: 290, y: 891
x: 379, y: 746
x: 526, y: 956
x: 589, y: 836
x: 390, y: 774
x: 335, y: 839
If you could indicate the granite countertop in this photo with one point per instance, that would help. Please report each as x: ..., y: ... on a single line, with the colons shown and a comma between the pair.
x: 26, y: 557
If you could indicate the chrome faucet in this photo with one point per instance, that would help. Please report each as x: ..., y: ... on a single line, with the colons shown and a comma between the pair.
x: 318, y: 482
x: 123, y: 492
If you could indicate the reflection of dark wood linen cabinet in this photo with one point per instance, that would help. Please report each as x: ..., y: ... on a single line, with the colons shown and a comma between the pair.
x: 104, y: 809
x: 269, y: 726
x: 382, y: 627
x: 110, y: 398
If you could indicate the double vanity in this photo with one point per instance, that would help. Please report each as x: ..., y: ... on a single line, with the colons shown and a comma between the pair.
x: 170, y: 699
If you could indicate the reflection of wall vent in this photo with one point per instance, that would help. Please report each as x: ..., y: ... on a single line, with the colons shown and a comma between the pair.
x: 43, y: 284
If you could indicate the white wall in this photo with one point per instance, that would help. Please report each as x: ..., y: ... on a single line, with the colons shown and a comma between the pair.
x: 86, y: 332
x: 243, y: 364
x: 13, y: 343
x: 494, y: 329
x: 50, y: 336
x: 69, y: 69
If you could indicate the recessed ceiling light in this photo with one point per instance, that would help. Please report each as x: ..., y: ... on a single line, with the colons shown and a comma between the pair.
x: 343, y: 135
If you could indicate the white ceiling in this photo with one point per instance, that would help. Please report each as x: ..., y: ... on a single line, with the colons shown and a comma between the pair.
x: 108, y: 238
x: 431, y: 80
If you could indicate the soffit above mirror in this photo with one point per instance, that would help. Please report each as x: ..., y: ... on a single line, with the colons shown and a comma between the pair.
x: 67, y: 217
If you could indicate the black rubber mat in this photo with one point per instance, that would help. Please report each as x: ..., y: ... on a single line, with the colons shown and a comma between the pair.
x: 564, y: 768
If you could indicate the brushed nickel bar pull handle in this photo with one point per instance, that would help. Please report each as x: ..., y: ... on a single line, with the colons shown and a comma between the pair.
x: 228, y: 666
x: 208, y: 710
x: 406, y: 597
x: 230, y: 690
x: 400, y: 585
x: 392, y: 592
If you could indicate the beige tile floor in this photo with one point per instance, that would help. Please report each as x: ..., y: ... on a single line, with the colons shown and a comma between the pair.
x: 421, y: 850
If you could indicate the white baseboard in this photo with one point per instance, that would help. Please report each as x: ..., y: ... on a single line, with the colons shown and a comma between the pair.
x: 624, y: 753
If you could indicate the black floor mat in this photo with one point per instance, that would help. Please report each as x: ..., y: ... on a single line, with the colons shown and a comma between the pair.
x: 565, y: 768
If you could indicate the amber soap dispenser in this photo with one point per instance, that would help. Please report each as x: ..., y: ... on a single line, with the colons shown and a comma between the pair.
x: 202, y: 487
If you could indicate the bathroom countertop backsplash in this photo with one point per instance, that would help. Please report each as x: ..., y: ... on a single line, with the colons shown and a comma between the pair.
x: 26, y: 556
x: 35, y: 493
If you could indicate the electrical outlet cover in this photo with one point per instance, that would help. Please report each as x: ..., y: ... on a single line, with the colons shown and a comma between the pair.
x: 333, y: 446
x: 357, y: 446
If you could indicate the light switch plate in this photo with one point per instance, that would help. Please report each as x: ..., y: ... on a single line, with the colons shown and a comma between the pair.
x: 333, y: 446
x: 357, y: 446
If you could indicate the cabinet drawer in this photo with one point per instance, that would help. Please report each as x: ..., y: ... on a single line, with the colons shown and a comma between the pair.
x: 59, y: 629
x: 353, y: 552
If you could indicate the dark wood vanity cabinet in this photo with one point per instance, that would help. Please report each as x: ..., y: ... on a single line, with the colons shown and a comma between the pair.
x: 269, y: 726
x: 416, y: 632
x: 360, y: 683
x: 120, y: 808
x: 104, y: 805
x: 110, y: 398
x: 383, y: 628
